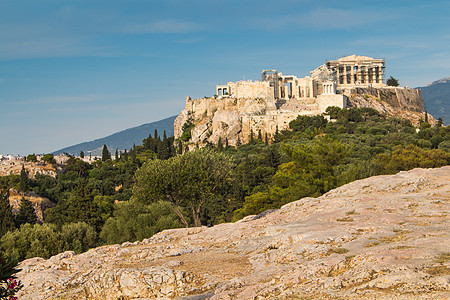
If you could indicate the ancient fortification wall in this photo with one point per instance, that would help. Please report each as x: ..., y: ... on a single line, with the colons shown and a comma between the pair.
x: 238, y: 108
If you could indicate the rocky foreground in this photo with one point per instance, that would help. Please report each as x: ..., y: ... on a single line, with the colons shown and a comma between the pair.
x: 385, y: 237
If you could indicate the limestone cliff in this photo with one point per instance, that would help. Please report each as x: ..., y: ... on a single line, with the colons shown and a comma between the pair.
x: 233, y: 118
x: 385, y: 237
x: 402, y: 103
x: 40, y: 204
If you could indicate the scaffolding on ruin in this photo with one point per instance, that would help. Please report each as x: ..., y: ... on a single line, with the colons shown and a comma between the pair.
x: 272, y: 77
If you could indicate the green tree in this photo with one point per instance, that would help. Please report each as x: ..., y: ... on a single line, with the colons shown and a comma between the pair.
x: 6, y: 217
x: 311, y: 171
x: 411, y: 156
x: 187, y: 181
x: 332, y: 111
x: 77, y: 166
x: 392, y: 81
x: 23, y: 184
x: 219, y: 144
x: 105, y: 153
x: 26, y: 214
x: 79, y: 206
x: 238, y: 142
x: 251, y: 139
x: 134, y: 221
x: 48, y: 158
x: 47, y: 240
x: 81, y: 154
x: 31, y: 158
x: 180, y: 147
x: 78, y: 237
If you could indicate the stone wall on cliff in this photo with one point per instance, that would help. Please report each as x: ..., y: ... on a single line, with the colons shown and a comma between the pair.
x: 398, y: 102
x: 235, y: 118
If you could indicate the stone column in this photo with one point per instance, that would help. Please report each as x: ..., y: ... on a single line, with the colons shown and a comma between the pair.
x: 345, y: 74
x: 374, y: 75
x: 352, y: 75
x: 338, y: 75
x: 380, y: 74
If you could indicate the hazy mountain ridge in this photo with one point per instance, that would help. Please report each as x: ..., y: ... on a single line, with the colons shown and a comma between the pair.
x: 123, y: 139
x: 436, y: 97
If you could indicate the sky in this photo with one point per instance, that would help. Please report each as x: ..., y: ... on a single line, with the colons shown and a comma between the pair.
x: 73, y: 71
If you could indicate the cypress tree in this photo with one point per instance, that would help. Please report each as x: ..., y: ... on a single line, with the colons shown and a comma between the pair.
x: 117, y: 154
x: 26, y: 214
x: 6, y: 217
x: 266, y: 139
x: 163, y: 151
x: 170, y: 147
x: 226, y: 144
x: 259, y: 135
x: 238, y: 142
x: 23, y: 183
x: 426, y: 116
x: 105, y: 153
x: 180, y: 147
x: 156, y: 134
x: 81, y: 154
x: 276, y: 136
x: 219, y: 144
x: 251, y: 137
x: 148, y: 142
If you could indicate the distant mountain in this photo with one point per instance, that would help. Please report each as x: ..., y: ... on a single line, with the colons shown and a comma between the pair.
x: 122, y: 140
x: 436, y: 97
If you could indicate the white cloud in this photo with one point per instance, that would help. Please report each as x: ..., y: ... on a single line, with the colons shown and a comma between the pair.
x: 190, y: 41
x: 161, y: 26
x: 322, y: 18
x: 398, y: 42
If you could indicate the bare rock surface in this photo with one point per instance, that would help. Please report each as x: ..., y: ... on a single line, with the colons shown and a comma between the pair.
x: 385, y: 237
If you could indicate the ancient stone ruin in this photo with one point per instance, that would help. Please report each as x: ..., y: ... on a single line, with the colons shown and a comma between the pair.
x: 239, y: 108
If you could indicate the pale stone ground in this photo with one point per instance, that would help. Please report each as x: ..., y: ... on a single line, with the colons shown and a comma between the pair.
x: 385, y: 237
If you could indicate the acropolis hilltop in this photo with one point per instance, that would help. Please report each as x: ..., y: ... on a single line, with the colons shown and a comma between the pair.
x: 333, y: 77
x: 269, y: 104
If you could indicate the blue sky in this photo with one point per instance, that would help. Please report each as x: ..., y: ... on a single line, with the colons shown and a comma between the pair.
x: 73, y: 71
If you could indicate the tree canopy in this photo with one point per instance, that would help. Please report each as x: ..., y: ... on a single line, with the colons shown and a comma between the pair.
x: 392, y: 81
x: 187, y: 181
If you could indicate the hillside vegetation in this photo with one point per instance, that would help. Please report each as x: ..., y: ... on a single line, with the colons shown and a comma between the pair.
x: 155, y: 187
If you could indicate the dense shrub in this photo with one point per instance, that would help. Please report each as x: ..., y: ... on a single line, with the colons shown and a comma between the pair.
x: 47, y: 240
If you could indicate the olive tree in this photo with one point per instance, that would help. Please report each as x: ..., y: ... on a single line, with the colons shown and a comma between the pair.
x: 187, y: 181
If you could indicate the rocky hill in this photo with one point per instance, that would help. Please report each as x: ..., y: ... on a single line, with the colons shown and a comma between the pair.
x: 436, y: 96
x: 234, y: 118
x: 385, y: 237
x: 121, y: 140
x: 402, y: 103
